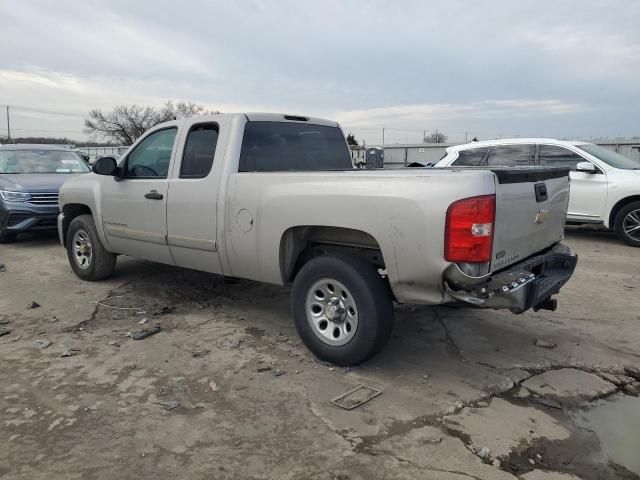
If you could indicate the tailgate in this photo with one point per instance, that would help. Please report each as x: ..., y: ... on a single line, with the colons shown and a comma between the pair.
x: 531, y: 208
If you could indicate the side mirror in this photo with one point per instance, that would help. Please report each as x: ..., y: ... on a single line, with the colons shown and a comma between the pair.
x: 586, y: 167
x: 105, y: 166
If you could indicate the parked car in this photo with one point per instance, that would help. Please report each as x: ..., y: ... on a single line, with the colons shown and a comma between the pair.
x: 83, y: 155
x: 79, y: 152
x: 30, y: 178
x: 275, y: 198
x: 605, y: 186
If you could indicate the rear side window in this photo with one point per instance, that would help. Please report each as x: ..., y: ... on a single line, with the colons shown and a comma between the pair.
x: 471, y: 158
x: 288, y: 146
x: 553, y: 156
x: 199, y: 150
x: 510, y: 155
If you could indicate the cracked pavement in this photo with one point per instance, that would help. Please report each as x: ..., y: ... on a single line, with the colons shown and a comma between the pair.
x: 467, y: 394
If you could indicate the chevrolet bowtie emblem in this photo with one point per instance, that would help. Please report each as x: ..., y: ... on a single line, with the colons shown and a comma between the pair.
x: 541, y: 216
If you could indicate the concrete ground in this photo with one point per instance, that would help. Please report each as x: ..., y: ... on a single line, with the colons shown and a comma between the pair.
x: 466, y: 394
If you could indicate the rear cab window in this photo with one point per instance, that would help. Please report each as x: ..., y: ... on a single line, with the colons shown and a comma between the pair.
x: 292, y: 146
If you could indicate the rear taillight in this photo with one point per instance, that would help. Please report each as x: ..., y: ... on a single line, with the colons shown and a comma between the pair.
x: 468, y: 233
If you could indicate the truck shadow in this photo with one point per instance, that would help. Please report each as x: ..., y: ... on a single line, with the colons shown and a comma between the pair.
x: 465, y: 344
x: 591, y: 234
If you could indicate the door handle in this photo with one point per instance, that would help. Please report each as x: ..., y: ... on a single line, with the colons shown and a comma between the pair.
x: 541, y: 192
x: 154, y: 195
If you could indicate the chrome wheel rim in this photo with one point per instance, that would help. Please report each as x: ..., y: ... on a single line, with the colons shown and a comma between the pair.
x: 631, y: 224
x: 331, y: 312
x: 82, y: 251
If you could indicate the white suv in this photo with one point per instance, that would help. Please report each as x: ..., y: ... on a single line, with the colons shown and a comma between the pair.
x: 605, y: 186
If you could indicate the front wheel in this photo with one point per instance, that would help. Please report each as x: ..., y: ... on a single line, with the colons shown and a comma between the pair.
x: 87, y: 256
x: 342, y: 309
x: 627, y: 224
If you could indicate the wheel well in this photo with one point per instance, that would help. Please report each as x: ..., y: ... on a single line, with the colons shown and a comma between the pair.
x: 72, y: 211
x: 619, y: 206
x: 300, y: 244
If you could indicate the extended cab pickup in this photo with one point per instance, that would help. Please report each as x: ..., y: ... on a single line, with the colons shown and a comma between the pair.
x: 274, y: 198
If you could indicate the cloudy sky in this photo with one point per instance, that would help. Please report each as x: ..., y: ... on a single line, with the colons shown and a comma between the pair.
x: 493, y: 68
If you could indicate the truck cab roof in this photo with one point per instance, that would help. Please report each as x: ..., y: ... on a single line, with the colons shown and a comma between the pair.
x: 263, y: 117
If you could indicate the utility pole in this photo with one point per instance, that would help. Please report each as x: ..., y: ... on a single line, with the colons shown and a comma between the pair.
x: 383, y: 136
x: 424, y: 136
x: 466, y: 137
x: 8, y: 125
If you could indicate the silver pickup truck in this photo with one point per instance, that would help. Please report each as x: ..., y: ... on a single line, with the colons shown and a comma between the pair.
x: 274, y: 198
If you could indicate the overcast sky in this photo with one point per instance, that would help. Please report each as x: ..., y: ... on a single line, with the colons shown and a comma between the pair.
x: 492, y: 68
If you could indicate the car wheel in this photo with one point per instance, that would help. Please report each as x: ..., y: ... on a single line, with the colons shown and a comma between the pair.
x: 6, y: 237
x: 627, y: 224
x: 87, y: 256
x: 342, y: 309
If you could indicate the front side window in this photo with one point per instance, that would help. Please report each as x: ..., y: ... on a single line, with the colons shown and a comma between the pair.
x: 289, y: 146
x: 151, y: 157
x: 510, y: 155
x: 41, y: 161
x: 554, y: 156
x: 199, y: 151
x: 471, y: 158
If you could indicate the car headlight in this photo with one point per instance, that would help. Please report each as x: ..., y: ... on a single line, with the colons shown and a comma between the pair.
x: 14, y: 196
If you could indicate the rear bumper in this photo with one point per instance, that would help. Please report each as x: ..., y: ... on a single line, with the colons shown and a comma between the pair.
x: 20, y: 217
x: 525, y: 285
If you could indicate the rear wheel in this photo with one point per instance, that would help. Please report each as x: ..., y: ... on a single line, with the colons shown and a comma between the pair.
x: 627, y: 224
x: 6, y: 237
x: 87, y: 256
x: 342, y: 309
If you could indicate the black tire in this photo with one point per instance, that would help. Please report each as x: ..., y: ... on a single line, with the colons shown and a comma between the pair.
x: 374, y: 306
x: 102, y: 262
x: 619, y: 225
x: 6, y: 237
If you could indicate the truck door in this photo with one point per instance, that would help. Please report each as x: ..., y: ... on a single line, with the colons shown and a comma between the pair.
x: 588, y: 190
x: 193, y: 191
x: 134, y: 209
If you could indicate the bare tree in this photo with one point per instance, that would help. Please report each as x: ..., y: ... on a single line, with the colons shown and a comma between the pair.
x: 436, y: 137
x: 125, y: 123
x: 171, y: 111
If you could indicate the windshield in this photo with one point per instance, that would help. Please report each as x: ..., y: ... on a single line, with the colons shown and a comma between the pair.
x: 41, y: 161
x: 610, y: 157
